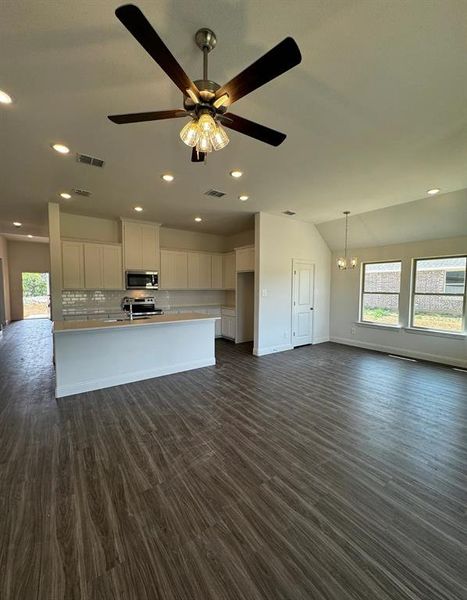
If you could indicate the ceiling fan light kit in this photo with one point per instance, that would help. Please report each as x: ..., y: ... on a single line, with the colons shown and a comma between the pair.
x: 205, y: 102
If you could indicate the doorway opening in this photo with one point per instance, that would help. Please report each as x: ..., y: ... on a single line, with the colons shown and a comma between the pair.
x: 36, y: 295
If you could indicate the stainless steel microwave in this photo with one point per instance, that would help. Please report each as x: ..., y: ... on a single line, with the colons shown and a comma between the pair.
x: 142, y: 280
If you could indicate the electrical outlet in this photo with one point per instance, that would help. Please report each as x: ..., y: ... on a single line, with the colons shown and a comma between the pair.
x: 264, y: 293
x: 353, y: 330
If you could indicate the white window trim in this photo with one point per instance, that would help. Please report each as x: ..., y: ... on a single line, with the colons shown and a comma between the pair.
x: 436, y: 332
x: 360, y: 321
x: 378, y: 325
x: 425, y: 330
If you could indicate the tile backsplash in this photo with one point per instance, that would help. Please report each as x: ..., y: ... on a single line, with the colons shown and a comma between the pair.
x: 83, y: 301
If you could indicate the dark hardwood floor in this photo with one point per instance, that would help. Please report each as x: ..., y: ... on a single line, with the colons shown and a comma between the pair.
x: 324, y: 473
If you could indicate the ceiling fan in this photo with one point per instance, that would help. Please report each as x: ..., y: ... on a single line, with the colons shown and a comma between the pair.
x: 205, y: 101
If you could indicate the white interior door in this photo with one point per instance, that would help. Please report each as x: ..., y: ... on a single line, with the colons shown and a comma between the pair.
x: 302, y: 302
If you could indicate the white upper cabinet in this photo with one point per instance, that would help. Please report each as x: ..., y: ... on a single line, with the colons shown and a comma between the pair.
x: 141, y: 246
x: 199, y: 271
x: 89, y: 266
x: 93, y: 276
x: 216, y: 272
x: 174, y: 270
x: 112, y: 268
x: 72, y: 265
x: 228, y: 271
x: 245, y: 259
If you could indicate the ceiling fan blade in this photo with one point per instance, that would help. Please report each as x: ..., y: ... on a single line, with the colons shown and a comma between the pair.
x: 196, y: 156
x: 137, y: 24
x: 252, y: 129
x: 280, y: 59
x: 147, y: 116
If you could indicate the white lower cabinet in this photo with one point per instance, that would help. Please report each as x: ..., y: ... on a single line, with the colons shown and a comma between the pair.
x: 228, y: 323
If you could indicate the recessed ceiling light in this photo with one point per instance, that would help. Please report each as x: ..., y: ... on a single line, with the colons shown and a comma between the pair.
x: 236, y: 174
x: 60, y: 148
x: 433, y: 191
x: 17, y: 223
x: 243, y: 197
x: 5, y: 98
x: 168, y: 177
x: 30, y: 236
x: 65, y: 195
x: 139, y: 208
x: 198, y: 219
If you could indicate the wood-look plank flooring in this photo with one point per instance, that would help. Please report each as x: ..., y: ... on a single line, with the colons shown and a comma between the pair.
x: 324, y: 473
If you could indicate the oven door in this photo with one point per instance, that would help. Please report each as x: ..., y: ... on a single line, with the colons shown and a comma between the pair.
x: 142, y: 280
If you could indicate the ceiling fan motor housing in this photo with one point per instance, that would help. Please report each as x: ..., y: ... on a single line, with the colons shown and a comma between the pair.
x: 207, y: 90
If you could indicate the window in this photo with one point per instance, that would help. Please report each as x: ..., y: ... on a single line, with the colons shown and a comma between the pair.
x: 438, y: 300
x: 454, y: 283
x: 381, y: 284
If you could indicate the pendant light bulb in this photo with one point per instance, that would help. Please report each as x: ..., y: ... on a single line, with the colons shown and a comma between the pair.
x: 190, y: 133
x: 219, y: 138
x: 207, y: 124
x: 204, y: 143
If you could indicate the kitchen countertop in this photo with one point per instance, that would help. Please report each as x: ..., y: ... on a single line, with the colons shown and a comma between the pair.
x: 69, y: 326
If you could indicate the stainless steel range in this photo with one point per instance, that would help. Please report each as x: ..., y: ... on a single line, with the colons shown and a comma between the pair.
x: 140, y: 308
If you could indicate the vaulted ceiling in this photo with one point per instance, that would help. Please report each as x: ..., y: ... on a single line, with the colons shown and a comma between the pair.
x: 375, y: 114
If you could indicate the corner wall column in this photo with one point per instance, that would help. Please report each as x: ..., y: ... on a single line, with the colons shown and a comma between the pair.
x: 55, y: 262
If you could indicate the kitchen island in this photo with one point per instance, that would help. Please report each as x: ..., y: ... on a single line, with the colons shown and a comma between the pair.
x: 91, y: 355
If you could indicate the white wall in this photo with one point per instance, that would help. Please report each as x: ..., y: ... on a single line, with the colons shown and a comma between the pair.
x: 109, y: 230
x: 6, y: 285
x: 24, y: 257
x: 345, y: 294
x: 90, y: 228
x: 278, y: 241
x: 244, y: 238
x: 55, y: 249
x: 179, y: 239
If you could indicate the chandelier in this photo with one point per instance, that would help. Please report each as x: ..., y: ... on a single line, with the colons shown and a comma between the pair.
x: 343, y: 262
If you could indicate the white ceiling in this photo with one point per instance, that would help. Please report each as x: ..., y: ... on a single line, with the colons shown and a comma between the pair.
x: 432, y: 218
x: 375, y: 114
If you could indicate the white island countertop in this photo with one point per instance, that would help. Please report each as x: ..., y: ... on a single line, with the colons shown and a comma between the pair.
x: 69, y: 326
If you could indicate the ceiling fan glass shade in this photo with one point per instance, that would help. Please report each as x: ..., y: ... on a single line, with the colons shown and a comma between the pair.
x: 190, y: 133
x: 207, y: 124
x: 204, y: 143
x: 219, y: 138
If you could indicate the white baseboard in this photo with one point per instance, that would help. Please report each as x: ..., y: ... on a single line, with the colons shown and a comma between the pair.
x: 122, y: 378
x: 320, y: 340
x: 402, y: 352
x: 271, y: 349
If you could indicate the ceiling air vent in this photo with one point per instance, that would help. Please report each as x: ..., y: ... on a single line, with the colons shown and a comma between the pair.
x: 79, y: 192
x: 288, y: 212
x: 215, y: 193
x: 89, y: 160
